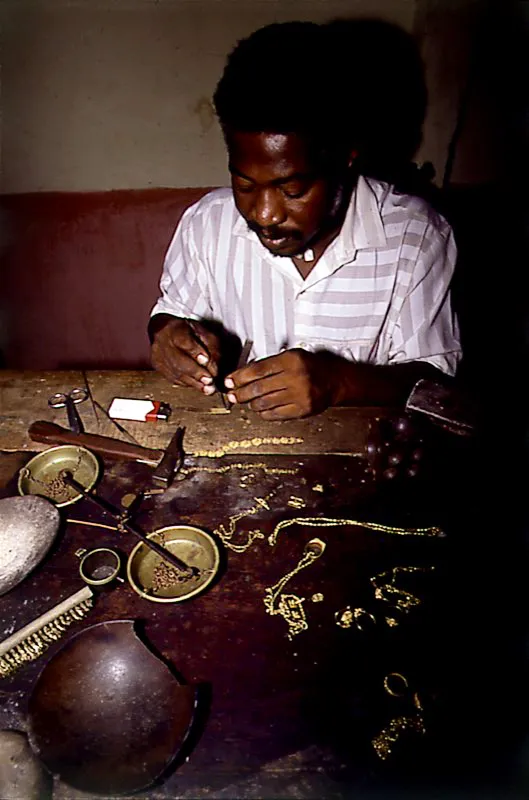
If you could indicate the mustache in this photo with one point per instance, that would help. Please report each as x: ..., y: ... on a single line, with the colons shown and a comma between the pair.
x: 274, y: 233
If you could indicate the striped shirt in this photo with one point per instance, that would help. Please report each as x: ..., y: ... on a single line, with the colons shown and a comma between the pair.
x: 379, y: 293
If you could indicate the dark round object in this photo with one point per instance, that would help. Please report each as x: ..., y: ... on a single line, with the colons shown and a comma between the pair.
x: 403, y: 426
x: 106, y: 715
x: 395, y: 458
x: 413, y: 471
x: 390, y: 474
x: 371, y: 449
x: 417, y: 454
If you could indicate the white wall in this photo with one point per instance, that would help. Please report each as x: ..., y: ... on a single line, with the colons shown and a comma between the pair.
x: 116, y: 94
x: 105, y: 94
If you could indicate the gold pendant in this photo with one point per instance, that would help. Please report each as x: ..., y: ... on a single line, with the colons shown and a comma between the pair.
x: 290, y: 606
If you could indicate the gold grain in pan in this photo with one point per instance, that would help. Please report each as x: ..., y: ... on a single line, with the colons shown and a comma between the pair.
x: 42, y: 474
x: 155, y: 579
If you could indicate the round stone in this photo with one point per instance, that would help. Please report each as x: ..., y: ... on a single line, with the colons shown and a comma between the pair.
x: 28, y: 526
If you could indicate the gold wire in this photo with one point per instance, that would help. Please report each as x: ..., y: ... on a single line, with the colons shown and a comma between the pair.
x: 93, y: 524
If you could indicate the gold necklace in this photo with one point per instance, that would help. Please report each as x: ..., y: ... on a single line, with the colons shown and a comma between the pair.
x: 290, y: 606
x: 389, y: 593
x: 226, y: 533
x: 324, y: 522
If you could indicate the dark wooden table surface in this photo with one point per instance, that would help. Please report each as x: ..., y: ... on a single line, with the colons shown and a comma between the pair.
x: 291, y: 717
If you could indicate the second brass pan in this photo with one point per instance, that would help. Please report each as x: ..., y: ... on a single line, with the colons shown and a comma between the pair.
x: 154, y: 579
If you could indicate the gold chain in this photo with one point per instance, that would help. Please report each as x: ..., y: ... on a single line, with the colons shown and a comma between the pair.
x: 240, y: 466
x: 226, y: 533
x: 290, y: 606
x: 383, y: 743
x: 389, y: 593
x: 56, y: 488
x: 244, y: 444
x: 324, y: 522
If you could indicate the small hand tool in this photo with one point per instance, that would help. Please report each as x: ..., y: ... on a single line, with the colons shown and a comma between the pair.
x: 243, y: 360
x: 172, y: 460
x: 70, y: 400
x: 198, y: 339
x: 49, y: 433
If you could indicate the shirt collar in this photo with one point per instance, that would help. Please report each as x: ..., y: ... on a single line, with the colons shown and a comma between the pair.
x: 362, y: 227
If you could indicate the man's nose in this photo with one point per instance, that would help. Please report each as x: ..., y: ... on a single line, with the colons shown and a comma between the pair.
x: 269, y: 209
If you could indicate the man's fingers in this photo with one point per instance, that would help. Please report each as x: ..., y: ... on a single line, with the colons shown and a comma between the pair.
x: 267, y: 402
x: 265, y: 368
x: 290, y: 411
x: 202, y: 346
x: 256, y: 391
x: 179, y: 367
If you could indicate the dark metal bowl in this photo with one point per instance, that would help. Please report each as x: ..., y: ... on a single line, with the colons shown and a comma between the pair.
x: 106, y: 715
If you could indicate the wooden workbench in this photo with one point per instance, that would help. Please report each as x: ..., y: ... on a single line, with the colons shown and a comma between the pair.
x: 288, y: 717
x: 24, y: 399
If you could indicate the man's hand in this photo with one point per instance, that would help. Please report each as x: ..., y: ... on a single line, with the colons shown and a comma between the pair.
x: 185, y: 352
x: 292, y: 384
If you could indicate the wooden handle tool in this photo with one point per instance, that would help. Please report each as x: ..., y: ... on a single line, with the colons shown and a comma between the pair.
x: 50, y: 433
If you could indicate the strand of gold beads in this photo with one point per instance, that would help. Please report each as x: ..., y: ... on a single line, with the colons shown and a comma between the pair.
x: 240, y: 466
x: 244, y: 444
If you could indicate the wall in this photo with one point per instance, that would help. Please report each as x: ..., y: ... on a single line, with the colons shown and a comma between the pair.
x: 102, y: 94
x: 116, y: 94
x: 465, y: 47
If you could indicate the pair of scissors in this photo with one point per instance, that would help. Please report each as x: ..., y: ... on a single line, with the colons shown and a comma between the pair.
x: 69, y: 400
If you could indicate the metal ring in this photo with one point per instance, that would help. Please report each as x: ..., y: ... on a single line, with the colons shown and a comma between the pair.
x: 361, y: 613
x: 395, y: 678
x: 78, y: 395
x: 110, y: 562
x: 57, y: 400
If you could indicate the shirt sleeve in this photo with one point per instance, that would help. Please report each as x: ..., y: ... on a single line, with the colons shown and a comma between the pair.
x: 184, y: 281
x: 426, y: 328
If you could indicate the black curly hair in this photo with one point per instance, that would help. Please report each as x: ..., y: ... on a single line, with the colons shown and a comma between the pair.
x: 283, y: 79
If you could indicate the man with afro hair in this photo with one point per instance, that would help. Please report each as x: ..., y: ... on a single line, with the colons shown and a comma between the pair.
x: 341, y: 282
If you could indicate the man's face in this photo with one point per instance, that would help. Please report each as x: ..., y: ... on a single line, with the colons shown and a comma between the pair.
x: 282, y: 195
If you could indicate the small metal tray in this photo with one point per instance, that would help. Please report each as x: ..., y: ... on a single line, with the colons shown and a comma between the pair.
x: 154, y: 579
x: 41, y: 475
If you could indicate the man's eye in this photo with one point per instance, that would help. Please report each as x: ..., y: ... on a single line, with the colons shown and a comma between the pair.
x: 294, y: 191
x: 244, y: 187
